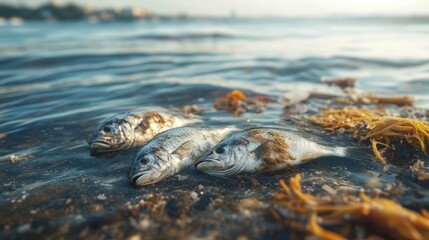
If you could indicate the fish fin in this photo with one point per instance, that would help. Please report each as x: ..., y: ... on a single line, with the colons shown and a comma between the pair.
x: 261, y: 150
x: 358, y: 153
x: 183, y: 150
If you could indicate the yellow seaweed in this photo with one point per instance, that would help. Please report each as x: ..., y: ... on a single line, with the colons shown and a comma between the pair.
x: 377, y: 128
x: 380, y: 215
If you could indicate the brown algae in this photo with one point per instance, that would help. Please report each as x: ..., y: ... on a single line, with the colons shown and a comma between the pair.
x: 379, y: 216
x: 382, y: 131
x: 236, y: 102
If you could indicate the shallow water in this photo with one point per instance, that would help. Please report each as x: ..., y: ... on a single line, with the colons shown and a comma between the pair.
x: 58, y: 81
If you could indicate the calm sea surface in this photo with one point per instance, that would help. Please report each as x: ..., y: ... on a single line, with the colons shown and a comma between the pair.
x: 59, y: 80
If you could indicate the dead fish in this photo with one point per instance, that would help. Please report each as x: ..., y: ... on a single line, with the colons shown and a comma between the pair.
x: 127, y: 130
x: 171, y: 151
x: 266, y: 150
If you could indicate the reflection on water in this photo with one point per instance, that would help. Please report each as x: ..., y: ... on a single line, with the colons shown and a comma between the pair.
x: 57, y: 81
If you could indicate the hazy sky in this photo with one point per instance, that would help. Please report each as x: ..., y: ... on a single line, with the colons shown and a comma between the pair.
x: 264, y: 7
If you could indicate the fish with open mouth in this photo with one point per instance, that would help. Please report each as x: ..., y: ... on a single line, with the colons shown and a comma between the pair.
x: 265, y: 150
x: 173, y: 150
x: 127, y: 130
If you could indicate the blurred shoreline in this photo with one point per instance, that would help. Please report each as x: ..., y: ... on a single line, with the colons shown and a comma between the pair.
x: 54, y: 12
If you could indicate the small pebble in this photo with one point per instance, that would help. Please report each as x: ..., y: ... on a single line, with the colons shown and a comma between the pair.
x: 68, y: 201
x: 145, y: 223
x: 242, y: 237
x: 101, y: 197
x: 329, y: 189
x: 24, y: 228
x: 96, y: 208
x: 194, y: 196
x: 134, y: 237
x: 248, y: 204
x: 181, y: 177
x: 373, y: 183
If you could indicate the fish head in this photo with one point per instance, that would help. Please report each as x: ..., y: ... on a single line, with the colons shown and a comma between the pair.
x: 112, y: 135
x: 150, y: 166
x: 226, y: 158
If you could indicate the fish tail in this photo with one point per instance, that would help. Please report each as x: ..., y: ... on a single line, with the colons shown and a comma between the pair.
x: 357, y: 153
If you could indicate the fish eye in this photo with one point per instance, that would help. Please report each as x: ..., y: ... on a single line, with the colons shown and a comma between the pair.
x: 144, y: 161
x: 220, y: 150
x: 107, y: 129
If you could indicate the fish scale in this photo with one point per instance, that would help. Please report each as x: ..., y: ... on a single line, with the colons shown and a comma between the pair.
x: 266, y: 150
x: 173, y: 150
x: 127, y: 130
x: 184, y: 133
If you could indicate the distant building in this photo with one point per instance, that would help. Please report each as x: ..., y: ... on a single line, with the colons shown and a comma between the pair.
x: 55, y: 11
x: 138, y: 12
x: 89, y: 9
x: 106, y: 16
x: 16, y: 20
x: 56, y: 3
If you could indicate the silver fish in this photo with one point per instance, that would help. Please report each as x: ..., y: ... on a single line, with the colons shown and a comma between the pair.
x: 171, y: 151
x: 265, y: 150
x: 127, y: 130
